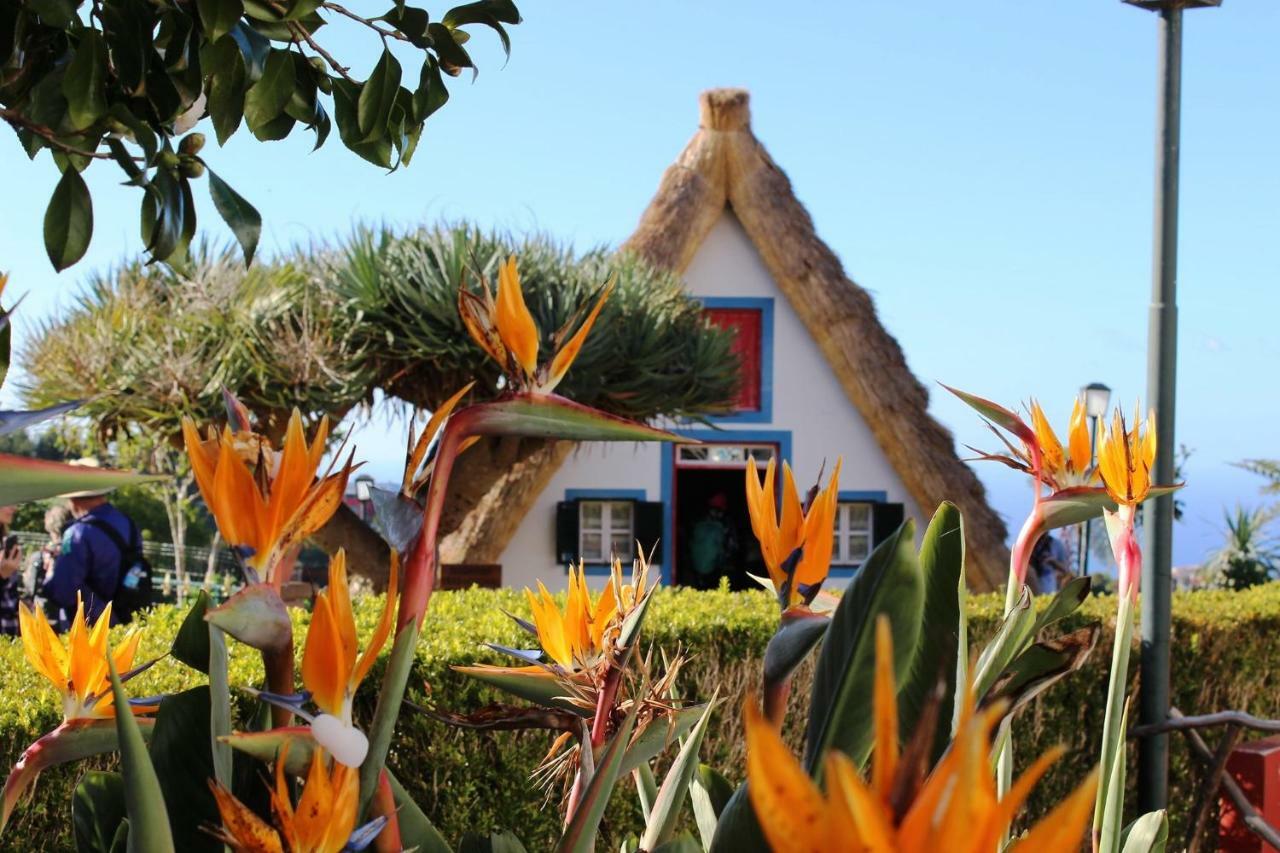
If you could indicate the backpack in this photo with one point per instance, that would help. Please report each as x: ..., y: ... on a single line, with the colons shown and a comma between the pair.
x: 133, y: 583
x: 707, y: 545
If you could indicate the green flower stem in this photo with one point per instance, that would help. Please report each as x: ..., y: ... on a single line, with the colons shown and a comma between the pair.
x: 390, y: 698
x: 1112, y: 728
x: 278, y: 664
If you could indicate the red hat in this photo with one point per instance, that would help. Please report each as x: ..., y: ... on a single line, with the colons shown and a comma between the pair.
x: 719, y: 501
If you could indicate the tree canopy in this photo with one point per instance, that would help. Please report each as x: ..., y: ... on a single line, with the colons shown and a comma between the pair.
x: 126, y: 80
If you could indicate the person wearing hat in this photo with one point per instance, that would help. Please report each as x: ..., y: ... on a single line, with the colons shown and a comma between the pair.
x: 98, y: 551
x: 10, y: 576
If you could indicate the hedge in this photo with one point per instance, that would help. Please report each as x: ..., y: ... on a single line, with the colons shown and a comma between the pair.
x: 1226, y: 653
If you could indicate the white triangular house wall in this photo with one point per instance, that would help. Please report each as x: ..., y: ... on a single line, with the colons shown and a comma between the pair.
x: 807, y: 415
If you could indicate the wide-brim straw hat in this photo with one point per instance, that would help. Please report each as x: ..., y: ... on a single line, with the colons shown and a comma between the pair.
x: 87, y: 462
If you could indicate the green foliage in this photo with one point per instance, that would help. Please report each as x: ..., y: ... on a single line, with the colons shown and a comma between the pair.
x: 125, y: 80
x: 1250, y: 555
x: 1226, y: 653
x: 650, y: 353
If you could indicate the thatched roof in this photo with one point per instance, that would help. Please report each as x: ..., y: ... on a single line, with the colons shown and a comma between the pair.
x: 724, y: 165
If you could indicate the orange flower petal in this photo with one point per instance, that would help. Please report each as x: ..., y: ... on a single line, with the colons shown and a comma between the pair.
x: 884, y: 760
x: 787, y: 804
x: 383, y: 629
x: 323, y: 669
x: 243, y: 829
x: 515, y: 323
x: 564, y: 358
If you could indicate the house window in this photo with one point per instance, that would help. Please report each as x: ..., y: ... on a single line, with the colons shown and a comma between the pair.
x: 854, y: 533
x: 747, y: 326
x: 606, y: 529
x: 723, y: 455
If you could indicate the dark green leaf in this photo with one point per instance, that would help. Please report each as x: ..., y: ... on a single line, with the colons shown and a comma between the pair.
x: 266, y: 99
x: 489, y: 13
x: 684, y: 843
x: 345, y: 97
x: 889, y: 583
x: 301, y: 9
x: 1041, y: 665
x: 162, y: 94
x: 661, y: 825
x: 1067, y: 600
x: 54, y: 13
x: 276, y: 129
x: 496, y: 842
x: 253, y: 47
x: 163, y: 211
x: 226, y: 99
x: 84, y: 85
x: 220, y: 708
x: 739, y: 830
x: 128, y: 29
x: 191, y: 644
x: 68, y: 221
x: 143, y: 135
x: 243, y: 218
x: 1009, y: 642
x: 938, y: 651
x: 144, y: 801
x: 452, y: 56
x: 377, y: 97
x: 709, y: 793
x: 431, y: 94
x: 183, y: 762
x: 409, y: 20
x: 124, y: 159
x: 799, y: 630
x: 97, y: 809
x: 219, y: 16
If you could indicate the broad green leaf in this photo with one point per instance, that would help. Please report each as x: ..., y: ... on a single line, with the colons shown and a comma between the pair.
x: 226, y: 94
x: 191, y: 643
x: 254, y: 48
x: 55, y: 13
x: 799, y: 630
x: 709, y: 793
x: 266, y: 744
x: 661, y: 825
x: 377, y: 97
x: 144, y: 801
x: 1065, y: 602
x: 243, y: 218
x: 68, y: 221
x: 1147, y: 834
x: 142, y: 134
x: 937, y: 655
x: 553, y: 416
x: 346, y: 97
x: 491, y: 13
x: 448, y: 47
x: 1008, y: 643
x: 416, y: 830
x: 71, y: 741
x: 646, y: 789
x: 738, y: 830
x: 531, y: 683
x: 889, y: 583
x: 301, y: 9
x: 219, y: 707
x: 163, y: 215
x: 97, y: 809
x: 219, y: 16
x: 1113, y: 726
x: 266, y: 98
x: 658, y: 735
x: 580, y: 829
x: 23, y: 479
x: 183, y: 765
x: 84, y: 86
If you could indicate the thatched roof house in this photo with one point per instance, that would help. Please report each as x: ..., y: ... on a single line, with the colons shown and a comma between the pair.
x: 726, y: 218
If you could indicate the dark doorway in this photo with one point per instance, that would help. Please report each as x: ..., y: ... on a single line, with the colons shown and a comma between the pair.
x: 711, y: 519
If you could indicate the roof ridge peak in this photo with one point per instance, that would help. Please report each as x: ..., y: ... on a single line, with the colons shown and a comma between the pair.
x: 726, y: 109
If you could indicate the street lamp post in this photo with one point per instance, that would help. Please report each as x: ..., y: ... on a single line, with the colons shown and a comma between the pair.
x: 1096, y: 398
x: 1162, y: 342
x: 364, y: 494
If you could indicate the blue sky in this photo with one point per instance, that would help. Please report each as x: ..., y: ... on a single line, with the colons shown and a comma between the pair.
x: 984, y: 169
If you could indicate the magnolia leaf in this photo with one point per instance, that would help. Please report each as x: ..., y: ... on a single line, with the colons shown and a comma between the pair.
x: 74, y: 740
x: 661, y: 825
x: 23, y: 479
x: 938, y: 654
x: 11, y: 421
x: 580, y: 829
x: 144, y: 800
x: 1147, y: 834
x: 553, y: 416
x: 84, y: 83
x: 97, y: 810
x: 377, y: 96
x: 709, y: 793
x: 219, y: 16
x: 266, y: 99
x: 241, y: 217
x: 889, y: 583
x: 68, y: 221
x: 256, y: 616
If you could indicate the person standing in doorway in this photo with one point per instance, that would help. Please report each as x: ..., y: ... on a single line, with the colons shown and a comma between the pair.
x: 712, y: 544
x: 100, y: 562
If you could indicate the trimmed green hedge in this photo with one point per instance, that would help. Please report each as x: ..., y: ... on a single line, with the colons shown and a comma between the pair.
x: 1226, y: 653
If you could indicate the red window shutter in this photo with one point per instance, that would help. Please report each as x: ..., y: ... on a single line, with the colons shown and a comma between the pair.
x: 746, y: 325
